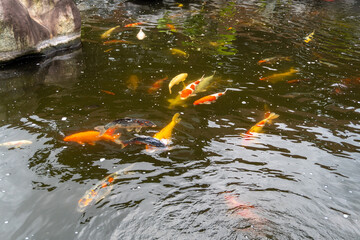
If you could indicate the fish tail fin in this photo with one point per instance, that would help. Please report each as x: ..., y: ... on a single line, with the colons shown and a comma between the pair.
x: 176, y: 118
x: 271, y: 117
x: 170, y: 89
x: 101, y: 129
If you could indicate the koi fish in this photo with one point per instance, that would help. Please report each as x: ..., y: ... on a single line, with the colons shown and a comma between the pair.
x: 241, y: 208
x: 273, y: 60
x: 177, y: 79
x: 257, y: 128
x: 108, y: 32
x: 175, y: 102
x: 171, y: 27
x: 166, y: 132
x: 189, y: 89
x: 157, y: 85
x: 279, y: 76
x: 204, y: 84
x: 176, y: 51
x: 309, y: 37
x: 133, y: 82
x: 115, y: 41
x: 209, y: 99
x: 127, y: 123
x: 91, y: 137
x: 144, y: 140
x: 101, y: 189
x: 141, y: 35
x: 133, y: 24
x: 16, y: 144
x: 108, y: 92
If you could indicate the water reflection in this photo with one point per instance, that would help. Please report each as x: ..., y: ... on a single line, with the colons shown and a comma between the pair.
x: 297, y: 179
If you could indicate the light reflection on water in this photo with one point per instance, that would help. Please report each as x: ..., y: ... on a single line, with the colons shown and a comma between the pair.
x: 300, y: 174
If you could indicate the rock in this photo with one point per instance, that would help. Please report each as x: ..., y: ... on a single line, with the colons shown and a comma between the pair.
x: 37, y: 27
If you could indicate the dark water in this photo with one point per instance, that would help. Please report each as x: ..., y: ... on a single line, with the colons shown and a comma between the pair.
x: 299, y: 178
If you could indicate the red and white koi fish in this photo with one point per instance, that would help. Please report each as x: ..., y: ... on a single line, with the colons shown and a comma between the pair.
x: 189, y: 89
x: 133, y: 24
x: 209, y: 98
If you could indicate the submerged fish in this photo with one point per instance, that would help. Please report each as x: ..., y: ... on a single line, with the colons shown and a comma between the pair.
x: 189, y: 89
x: 166, y: 132
x: 241, y: 208
x: 108, y: 92
x: 209, y: 99
x: 128, y: 123
x: 176, y: 102
x: 141, y: 35
x: 177, y: 79
x: 176, y: 51
x: 203, y: 85
x: 133, y: 82
x: 273, y: 60
x: 309, y: 37
x: 144, y: 140
x: 257, y: 128
x: 91, y: 137
x: 279, y: 76
x: 16, y: 144
x: 101, y: 189
x: 115, y: 41
x: 133, y: 24
x: 171, y: 27
x: 108, y: 32
x: 157, y: 85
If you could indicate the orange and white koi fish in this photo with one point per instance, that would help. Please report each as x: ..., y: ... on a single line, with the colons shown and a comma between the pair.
x: 273, y: 60
x: 279, y: 76
x: 189, y: 89
x: 157, y: 85
x: 257, y: 128
x: 108, y: 92
x: 177, y: 79
x: 108, y: 32
x: 141, y: 35
x: 101, y: 189
x: 91, y: 137
x: 16, y: 144
x: 133, y: 24
x: 309, y: 37
x: 209, y: 99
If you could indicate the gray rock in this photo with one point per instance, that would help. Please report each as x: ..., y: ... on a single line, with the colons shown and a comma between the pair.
x: 37, y: 27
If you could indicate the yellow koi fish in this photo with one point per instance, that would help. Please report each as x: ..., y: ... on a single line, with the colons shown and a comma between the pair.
x: 279, y: 76
x: 175, y: 51
x: 257, y: 128
x: 108, y: 32
x: 309, y: 37
x: 133, y: 82
x: 205, y: 82
x: 165, y: 133
x: 176, y: 102
x: 101, y: 189
x: 177, y: 79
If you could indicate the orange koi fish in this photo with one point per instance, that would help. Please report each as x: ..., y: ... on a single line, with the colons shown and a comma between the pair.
x: 108, y: 92
x: 279, y: 76
x: 133, y: 24
x: 157, y: 85
x: 171, y: 27
x: 189, y: 89
x: 257, y: 128
x: 101, y: 189
x: 209, y: 99
x: 108, y: 32
x: 91, y: 137
x: 114, y: 41
x: 273, y: 60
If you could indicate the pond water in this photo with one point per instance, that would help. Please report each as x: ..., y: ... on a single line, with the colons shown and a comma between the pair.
x: 296, y: 179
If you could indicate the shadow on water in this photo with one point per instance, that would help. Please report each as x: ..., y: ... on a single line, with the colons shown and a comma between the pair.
x: 296, y: 178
